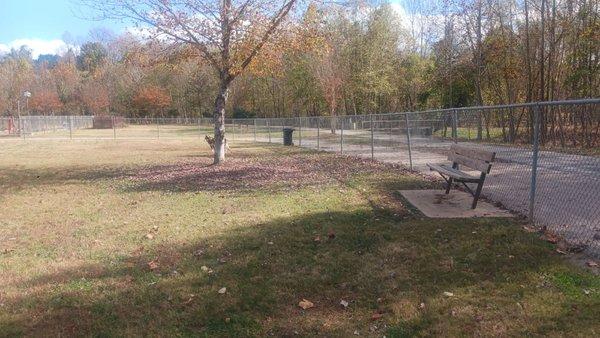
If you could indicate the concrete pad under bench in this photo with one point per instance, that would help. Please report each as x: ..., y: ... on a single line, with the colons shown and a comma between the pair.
x: 457, y: 204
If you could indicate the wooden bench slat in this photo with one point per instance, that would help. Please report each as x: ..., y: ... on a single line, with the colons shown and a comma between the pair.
x: 479, y: 154
x: 476, y: 164
x: 454, y: 173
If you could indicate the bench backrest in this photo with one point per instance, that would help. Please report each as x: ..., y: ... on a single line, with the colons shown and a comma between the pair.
x: 473, y: 158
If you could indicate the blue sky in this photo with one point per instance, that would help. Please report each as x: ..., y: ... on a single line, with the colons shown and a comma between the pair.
x: 42, y: 24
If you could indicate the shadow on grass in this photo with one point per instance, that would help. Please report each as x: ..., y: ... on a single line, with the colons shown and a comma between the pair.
x: 378, y: 263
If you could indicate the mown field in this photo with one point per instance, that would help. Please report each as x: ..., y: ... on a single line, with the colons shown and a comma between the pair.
x: 146, y: 238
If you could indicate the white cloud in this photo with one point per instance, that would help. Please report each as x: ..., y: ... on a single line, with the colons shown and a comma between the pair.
x: 37, y: 46
x: 402, y: 15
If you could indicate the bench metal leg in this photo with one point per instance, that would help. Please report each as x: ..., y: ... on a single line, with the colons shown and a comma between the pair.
x: 455, y: 166
x: 449, y: 185
x: 478, y: 191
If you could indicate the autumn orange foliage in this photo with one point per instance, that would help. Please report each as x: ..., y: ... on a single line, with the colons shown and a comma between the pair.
x: 152, y: 98
x: 45, y: 102
x: 96, y: 99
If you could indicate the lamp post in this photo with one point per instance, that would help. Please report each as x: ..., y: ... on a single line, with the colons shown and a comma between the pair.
x: 27, y: 95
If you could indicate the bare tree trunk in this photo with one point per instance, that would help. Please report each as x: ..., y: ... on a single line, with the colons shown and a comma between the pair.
x: 542, y: 72
x: 479, y: 65
x: 333, y: 124
x: 219, y: 122
x: 529, y: 68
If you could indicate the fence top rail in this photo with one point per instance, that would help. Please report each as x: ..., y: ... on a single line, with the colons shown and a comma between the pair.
x: 275, y: 119
x: 46, y: 116
x: 450, y: 110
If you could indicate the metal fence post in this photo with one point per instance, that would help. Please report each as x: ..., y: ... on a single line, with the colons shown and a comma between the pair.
x: 342, y: 136
x: 114, y: 128
x: 254, y: 130
x: 372, y: 138
x: 70, y: 127
x: 318, y: 133
x: 455, y: 126
x: 22, y: 127
x: 408, y: 140
x: 534, y: 162
x: 269, y: 129
x: 390, y: 131
x: 300, y: 131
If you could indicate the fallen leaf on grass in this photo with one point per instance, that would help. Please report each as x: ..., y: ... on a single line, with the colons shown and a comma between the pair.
x: 551, y: 238
x: 222, y: 290
x: 317, y: 239
x: 448, y: 294
x: 305, y: 304
x: 376, y: 316
x: 561, y: 252
x: 189, y: 299
x: 331, y: 234
x: 344, y: 303
x: 153, y: 265
x: 149, y: 236
x: 591, y: 264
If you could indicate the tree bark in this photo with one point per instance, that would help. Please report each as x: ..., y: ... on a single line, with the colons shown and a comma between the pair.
x: 219, y: 122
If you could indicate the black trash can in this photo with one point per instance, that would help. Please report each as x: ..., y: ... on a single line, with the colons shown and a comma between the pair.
x: 287, y: 136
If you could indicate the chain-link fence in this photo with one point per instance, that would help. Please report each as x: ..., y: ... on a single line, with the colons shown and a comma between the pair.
x: 47, y: 126
x: 547, y: 166
x: 102, y: 127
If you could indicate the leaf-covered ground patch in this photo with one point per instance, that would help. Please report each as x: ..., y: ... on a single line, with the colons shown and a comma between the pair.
x: 296, y: 170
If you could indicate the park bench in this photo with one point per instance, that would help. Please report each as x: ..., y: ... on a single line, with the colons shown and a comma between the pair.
x: 476, y: 159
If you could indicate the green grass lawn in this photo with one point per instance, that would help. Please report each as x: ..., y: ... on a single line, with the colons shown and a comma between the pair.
x: 136, y: 238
